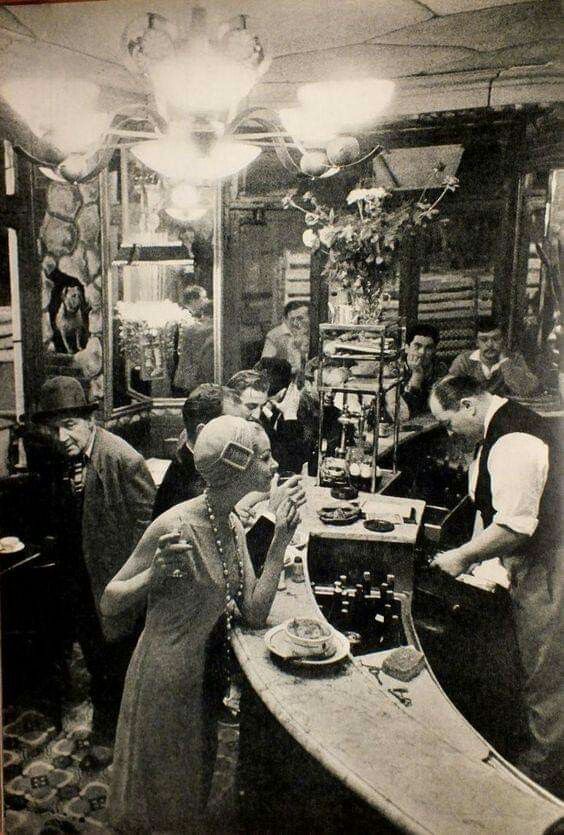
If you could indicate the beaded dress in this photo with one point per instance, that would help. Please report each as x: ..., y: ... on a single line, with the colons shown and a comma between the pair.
x: 166, y: 737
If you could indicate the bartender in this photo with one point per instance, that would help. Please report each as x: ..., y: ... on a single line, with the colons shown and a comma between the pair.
x: 514, y: 483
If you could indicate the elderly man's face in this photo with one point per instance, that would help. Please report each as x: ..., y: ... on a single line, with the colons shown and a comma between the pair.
x: 298, y: 319
x: 420, y: 352
x: 490, y: 345
x: 73, y: 434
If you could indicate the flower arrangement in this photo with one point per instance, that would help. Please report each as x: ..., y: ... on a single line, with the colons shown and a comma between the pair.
x: 146, y: 333
x: 362, y: 241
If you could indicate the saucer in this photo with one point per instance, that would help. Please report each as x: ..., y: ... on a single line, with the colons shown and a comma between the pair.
x: 280, y: 645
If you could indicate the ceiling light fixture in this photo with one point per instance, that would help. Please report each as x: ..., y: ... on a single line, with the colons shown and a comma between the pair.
x: 188, y: 126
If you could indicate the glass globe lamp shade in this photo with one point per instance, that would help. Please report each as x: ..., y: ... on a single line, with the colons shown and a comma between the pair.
x: 352, y: 104
x: 62, y: 112
x: 180, y: 159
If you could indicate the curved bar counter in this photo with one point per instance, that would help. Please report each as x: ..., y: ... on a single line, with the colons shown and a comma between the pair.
x: 423, y: 768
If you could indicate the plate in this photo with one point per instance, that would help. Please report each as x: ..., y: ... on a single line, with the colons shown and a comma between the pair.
x: 280, y: 645
x: 15, y: 549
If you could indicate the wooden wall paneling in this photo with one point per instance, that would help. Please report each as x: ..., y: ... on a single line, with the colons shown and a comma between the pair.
x: 506, y: 254
x: 517, y: 275
x: 20, y: 212
x: 319, y: 308
x: 410, y: 271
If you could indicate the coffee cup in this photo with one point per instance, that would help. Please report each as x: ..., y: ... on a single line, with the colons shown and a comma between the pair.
x: 9, y: 542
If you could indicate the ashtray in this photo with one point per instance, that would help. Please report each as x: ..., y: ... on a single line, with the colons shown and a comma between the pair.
x: 344, y: 515
x: 347, y: 493
x: 379, y: 525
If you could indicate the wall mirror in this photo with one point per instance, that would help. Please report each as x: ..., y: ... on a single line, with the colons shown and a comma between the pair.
x: 159, y: 294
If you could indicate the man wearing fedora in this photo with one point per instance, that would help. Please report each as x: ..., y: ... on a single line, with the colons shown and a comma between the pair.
x: 104, y: 499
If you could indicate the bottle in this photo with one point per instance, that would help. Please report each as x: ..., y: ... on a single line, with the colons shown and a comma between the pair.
x: 298, y: 570
x: 366, y: 476
x: 354, y: 475
x: 367, y: 583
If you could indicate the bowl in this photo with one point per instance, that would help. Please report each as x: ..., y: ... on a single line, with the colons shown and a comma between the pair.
x: 311, y: 637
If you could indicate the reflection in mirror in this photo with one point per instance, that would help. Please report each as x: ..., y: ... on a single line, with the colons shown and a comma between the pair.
x: 161, y: 275
x: 542, y: 336
x: 11, y: 361
x: 164, y: 325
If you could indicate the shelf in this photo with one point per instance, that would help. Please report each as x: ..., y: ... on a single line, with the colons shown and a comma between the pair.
x: 365, y: 388
x: 364, y: 357
x: 375, y: 328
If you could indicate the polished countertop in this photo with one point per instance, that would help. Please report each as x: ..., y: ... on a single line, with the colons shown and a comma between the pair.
x: 424, y: 767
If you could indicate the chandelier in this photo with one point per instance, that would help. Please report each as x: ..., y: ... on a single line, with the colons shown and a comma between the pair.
x: 187, y: 124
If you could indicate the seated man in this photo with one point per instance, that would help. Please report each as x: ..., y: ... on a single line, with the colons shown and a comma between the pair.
x: 182, y: 481
x: 290, y: 340
x: 490, y: 365
x: 419, y: 372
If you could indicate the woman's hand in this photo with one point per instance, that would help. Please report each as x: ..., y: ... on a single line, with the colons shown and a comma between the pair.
x: 246, y: 508
x: 290, y: 489
x: 174, y: 558
x: 287, y: 520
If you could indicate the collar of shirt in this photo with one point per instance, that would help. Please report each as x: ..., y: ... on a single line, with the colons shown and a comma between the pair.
x: 496, y: 403
x: 90, y: 445
x: 488, y: 370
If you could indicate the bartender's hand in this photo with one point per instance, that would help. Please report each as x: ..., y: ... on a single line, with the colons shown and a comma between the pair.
x: 452, y: 562
x: 289, y: 489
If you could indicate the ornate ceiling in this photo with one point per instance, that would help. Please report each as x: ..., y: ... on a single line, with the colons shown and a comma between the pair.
x: 445, y: 54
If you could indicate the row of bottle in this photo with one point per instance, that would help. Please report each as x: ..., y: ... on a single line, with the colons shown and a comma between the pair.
x: 371, y: 614
x: 347, y: 466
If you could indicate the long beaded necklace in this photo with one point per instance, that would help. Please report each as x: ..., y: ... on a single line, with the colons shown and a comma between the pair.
x: 229, y: 595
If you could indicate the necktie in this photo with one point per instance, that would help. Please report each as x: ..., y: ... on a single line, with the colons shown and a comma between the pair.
x: 76, y: 475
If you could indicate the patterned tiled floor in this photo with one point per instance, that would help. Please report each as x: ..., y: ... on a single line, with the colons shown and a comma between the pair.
x: 59, y: 782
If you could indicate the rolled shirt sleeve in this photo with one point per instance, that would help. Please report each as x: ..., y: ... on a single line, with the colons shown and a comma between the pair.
x: 518, y: 468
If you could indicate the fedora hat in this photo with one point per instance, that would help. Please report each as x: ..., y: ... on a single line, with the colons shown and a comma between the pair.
x: 60, y: 396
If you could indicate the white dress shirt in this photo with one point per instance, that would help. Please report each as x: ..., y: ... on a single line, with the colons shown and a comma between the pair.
x: 518, y: 469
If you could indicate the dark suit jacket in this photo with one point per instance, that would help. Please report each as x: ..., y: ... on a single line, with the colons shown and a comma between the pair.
x: 118, y: 497
x: 181, y: 482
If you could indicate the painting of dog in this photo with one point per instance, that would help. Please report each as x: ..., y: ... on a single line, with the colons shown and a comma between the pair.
x: 70, y: 320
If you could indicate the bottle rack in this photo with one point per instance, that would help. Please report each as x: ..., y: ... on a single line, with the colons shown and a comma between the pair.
x: 381, y: 343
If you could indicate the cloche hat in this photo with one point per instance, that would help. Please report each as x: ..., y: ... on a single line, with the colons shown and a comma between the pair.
x: 62, y: 395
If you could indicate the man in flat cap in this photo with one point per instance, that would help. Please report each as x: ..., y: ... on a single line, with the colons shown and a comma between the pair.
x: 104, y: 498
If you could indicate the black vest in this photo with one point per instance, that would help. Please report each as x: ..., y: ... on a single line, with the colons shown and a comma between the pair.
x: 512, y: 417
